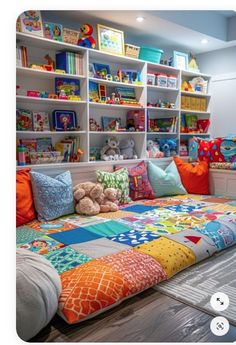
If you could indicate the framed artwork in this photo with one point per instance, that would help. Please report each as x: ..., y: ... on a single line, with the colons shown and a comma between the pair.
x: 31, y: 23
x: 64, y: 120
x: 101, y: 70
x: 41, y: 121
x: 110, y: 40
x: 53, y: 31
x: 180, y: 60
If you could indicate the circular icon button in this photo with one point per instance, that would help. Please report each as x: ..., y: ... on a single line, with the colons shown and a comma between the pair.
x: 219, y: 326
x: 219, y: 301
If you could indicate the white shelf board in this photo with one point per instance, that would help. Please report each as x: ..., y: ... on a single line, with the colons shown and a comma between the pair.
x: 160, y: 67
x: 36, y: 133
x: 195, y: 134
x: 187, y: 73
x: 25, y: 71
x: 195, y: 94
x: 163, y: 109
x: 45, y: 43
x: 27, y: 99
x: 112, y: 106
x: 114, y: 83
x: 115, y: 133
x: 183, y: 111
x: 162, y: 133
x: 161, y: 88
x: 117, y: 59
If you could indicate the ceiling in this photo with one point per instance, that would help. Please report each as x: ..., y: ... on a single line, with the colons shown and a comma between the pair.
x: 181, y: 30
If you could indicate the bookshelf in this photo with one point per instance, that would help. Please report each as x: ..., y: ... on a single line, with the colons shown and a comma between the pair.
x: 32, y: 79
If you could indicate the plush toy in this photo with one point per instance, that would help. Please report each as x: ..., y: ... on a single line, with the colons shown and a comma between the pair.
x: 127, y: 149
x: 109, y: 200
x: 87, y: 40
x: 86, y: 196
x: 111, y: 150
x: 93, y: 125
x: 153, y: 150
x: 168, y: 147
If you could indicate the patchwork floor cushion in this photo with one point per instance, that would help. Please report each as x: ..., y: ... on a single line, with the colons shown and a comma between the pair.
x: 38, y: 287
x: 103, y: 261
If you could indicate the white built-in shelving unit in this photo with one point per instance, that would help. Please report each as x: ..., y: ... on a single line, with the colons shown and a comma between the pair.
x: 31, y: 79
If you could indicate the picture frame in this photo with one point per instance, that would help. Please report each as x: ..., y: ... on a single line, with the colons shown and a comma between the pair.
x: 41, y: 121
x: 31, y: 23
x: 110, y: 40
x: 53, y: 31
x: 101, y: 70
x: 64, y: 120
x: 180, y: 60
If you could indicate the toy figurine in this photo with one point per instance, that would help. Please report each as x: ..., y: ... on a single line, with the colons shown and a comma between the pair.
x: 50, y: 61
x: 87, y: 40
x: 52, y: 96
x: 192, y: 66
x: 62, y: 95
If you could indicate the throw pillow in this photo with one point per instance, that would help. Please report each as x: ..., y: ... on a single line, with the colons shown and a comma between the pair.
x: 195, y: 177
x: 139, y: 185
x: 53, y: 196
x: 165, y: 182
x: 25, y: 211
x: 118, y: 179
x: 210, y: 150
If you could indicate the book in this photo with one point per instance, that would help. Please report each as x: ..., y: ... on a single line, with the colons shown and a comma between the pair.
x: 65, y: 149
x: 93, y: 91
x: 31, y: 23
x: 53, y: 31
x: 70, y: 86
x: 30, y: 146
x: 21, y: 56
x: 191, y: 123
x: 203, y: 125
x: 44, y: 144
x: 165, y: 124
x: 41, y: 121
x: 23, y: 120
x: 109, y: 123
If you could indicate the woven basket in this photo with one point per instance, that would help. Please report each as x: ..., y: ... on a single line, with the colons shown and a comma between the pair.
x: 132, y: 51
x: 70, y: 36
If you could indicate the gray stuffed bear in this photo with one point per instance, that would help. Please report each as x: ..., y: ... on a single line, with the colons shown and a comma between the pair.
x: 111, y: 150
x: 127, y: 149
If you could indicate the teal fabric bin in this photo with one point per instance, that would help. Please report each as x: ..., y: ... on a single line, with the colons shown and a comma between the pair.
x: 150, y: 54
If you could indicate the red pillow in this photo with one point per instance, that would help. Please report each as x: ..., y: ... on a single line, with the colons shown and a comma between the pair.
x: 139, y: 185
x: 195, y: 177
x: 25, y: 211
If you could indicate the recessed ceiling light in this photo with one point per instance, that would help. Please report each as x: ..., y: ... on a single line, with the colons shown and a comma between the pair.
x: 140, y: 19
x: 204, y: 41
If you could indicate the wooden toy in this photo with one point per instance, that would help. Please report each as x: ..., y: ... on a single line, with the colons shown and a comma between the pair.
x: 74, y: 98
x: 52, y: 96
x: 60, y: 70
x: 32, y: 93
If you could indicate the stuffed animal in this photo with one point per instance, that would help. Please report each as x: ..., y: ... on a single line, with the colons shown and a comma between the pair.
x: 127, y: 149
x: 110, y: 200
x: 86, y: 196
x: 168, y: 147
x: 153, y: 150
x: 87, y: 40
x: 111, y: 150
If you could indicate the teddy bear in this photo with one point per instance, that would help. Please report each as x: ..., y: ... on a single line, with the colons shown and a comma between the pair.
x: 127, y: 149
x: 111, y: 150
x: 109, y: 200
x: 168, y: 147
x: 86, y: 196
x: 153, y: 150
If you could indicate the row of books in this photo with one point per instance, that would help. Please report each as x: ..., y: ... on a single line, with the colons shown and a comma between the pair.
x: 191, y: 124
x: 71, y: 62
x: 167, y: 125
x: 68, y: 147
x: 21, y: 56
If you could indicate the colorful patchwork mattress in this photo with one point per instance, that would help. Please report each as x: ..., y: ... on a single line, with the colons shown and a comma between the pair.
x: 105, y: 259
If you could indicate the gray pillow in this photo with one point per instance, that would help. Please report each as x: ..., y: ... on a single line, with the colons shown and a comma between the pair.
x: 38, y: 287
x: 53, y: 196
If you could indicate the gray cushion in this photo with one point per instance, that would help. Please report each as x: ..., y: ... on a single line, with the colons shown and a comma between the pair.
x: 38, y: 287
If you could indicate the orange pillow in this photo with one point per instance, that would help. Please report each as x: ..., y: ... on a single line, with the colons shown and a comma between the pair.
x: 195, y: 178
x: 25, y: 211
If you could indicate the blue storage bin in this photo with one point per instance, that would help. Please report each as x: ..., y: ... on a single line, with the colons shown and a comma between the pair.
x: 150, y: 54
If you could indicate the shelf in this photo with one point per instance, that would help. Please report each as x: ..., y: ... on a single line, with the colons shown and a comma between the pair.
x: 194, y: 74
x: 160, y: 67
x: 99, y: 55
x: 30, y: 72
x: 27, y: 99
x: 163, y: 109
x: 183, y: 111
x: 35, y: 133
x: 45, y: 43
x: 114, y: 83
x: 195, y: 134
x: 195, y: 94
x: 162, y: 88
x: 115, y: 133
x: 162, y: 133
x: 118, y: 106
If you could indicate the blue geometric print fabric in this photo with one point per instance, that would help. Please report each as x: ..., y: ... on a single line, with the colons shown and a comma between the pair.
x: 134, y: 237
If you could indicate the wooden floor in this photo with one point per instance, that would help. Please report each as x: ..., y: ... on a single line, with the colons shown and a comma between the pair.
x: 147, y: 317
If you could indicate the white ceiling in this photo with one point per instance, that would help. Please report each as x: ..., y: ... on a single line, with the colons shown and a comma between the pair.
x: 155, y: 30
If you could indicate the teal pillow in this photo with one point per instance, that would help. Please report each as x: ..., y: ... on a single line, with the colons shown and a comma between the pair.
x: 165, y: 182
x: 53, y: 196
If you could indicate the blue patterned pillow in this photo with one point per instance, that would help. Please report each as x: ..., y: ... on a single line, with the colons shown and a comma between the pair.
x: 53, y: 196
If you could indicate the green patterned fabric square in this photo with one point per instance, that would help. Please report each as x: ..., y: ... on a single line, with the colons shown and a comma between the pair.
x: 110, y: 228
x: 118, y: 179
x: 25, y: 234
x: 66, y: 258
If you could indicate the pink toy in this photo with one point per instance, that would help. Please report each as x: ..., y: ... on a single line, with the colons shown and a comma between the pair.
x: 153, y: 150
x: 32, y: 93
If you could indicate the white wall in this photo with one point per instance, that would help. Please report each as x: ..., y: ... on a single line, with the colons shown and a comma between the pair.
x: 221, y: 64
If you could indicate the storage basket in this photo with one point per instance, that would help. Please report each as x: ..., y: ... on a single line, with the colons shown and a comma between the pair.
x: 150, y: 54
x: 46, y: 157
x: 70, y: 36
x: 132, y: 51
